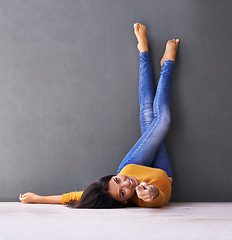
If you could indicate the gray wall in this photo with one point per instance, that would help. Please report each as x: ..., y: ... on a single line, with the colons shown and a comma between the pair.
x: 68, y: 93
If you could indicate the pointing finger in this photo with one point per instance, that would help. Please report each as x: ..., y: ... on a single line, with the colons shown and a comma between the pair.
x: 144, y: 184
x: 139, y: 188
x: 145, y: 193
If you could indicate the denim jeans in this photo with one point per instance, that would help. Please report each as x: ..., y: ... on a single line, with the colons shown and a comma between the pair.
x: 150, y: 149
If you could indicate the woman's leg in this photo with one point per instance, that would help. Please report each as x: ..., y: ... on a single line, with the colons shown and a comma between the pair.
x: 144, y: 151
x: 151, y: 142
x: 146, y: 116
x: 146, y: 91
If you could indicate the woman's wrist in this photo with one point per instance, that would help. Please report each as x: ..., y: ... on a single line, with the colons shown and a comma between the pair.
x: 38, y: 199
x: 155, y: 191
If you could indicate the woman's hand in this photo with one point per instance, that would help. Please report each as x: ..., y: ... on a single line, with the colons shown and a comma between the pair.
x: 147, y: 192
x: 28, y: 197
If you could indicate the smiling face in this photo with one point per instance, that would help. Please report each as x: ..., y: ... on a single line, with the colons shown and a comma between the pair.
x: 122, y: 187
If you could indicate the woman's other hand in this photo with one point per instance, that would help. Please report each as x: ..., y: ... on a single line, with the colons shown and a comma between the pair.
x: 28, y: 197
x: 147, y: 192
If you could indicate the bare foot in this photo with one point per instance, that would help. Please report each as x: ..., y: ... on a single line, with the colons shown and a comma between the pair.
x: 170, y: 51
x: 141, y: 35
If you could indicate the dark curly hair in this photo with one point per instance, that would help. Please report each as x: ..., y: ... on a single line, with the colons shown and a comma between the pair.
x: 96, y: 195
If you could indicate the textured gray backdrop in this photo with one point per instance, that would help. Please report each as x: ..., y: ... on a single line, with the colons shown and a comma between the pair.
x: 68, y: 93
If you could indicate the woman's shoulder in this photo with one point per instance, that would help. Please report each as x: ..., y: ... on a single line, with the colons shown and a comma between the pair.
x: 140, y: 167
x: 131, y: 168
x: 142, y: 171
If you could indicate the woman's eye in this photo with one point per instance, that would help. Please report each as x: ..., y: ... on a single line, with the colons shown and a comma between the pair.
x: 117, y: 180
x: 123, y: 193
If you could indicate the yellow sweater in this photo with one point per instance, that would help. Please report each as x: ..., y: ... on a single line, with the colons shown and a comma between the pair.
x: 153, y: 176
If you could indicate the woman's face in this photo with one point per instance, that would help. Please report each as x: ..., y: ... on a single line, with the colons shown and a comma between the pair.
x: 122, y: 187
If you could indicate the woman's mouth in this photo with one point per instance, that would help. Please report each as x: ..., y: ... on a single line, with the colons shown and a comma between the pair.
x: 132, y: 182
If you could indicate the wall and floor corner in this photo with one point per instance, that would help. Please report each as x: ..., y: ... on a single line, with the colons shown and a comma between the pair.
x: 68, y: 93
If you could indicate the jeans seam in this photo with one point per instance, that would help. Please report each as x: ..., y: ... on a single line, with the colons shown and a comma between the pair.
x: 141, y: 105
x: 157, y: 103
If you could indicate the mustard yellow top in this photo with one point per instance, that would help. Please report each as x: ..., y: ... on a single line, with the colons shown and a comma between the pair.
x: 153, y: 176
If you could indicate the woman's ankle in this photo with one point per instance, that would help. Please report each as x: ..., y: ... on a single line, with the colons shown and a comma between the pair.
x: 170, y: 51
x: 143, y: 49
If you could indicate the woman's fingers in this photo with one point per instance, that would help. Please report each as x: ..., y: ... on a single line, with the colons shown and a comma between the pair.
x: 22, y: 197
x: 26, y: 194
x: 143, y: 188
x: 147, y: 198
x: 144, y: 193
x: 144, y: 185
x: 147, y: 192
x: 139, y: 188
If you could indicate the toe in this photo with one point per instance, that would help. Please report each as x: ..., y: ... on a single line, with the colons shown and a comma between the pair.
x: 136, y: 26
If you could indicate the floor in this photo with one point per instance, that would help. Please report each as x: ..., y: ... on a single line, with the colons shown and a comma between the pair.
x: 175, y: 221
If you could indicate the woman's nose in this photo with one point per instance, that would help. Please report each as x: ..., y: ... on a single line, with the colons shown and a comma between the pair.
x: 126, y: 183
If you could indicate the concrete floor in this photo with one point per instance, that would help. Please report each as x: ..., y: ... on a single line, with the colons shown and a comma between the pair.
x: 175, y: 221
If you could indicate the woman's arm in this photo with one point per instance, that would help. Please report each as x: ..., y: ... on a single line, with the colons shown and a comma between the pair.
x: 34, y: 198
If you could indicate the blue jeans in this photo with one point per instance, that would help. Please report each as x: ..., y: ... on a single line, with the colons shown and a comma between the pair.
x: 155, y: 119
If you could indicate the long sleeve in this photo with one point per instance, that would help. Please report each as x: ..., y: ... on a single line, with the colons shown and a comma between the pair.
x: 74, y: 196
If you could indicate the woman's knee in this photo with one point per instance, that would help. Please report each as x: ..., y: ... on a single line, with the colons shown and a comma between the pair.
x: 165, y: 120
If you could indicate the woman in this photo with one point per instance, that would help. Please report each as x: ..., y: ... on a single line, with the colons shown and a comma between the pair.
x: 144, y: 176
